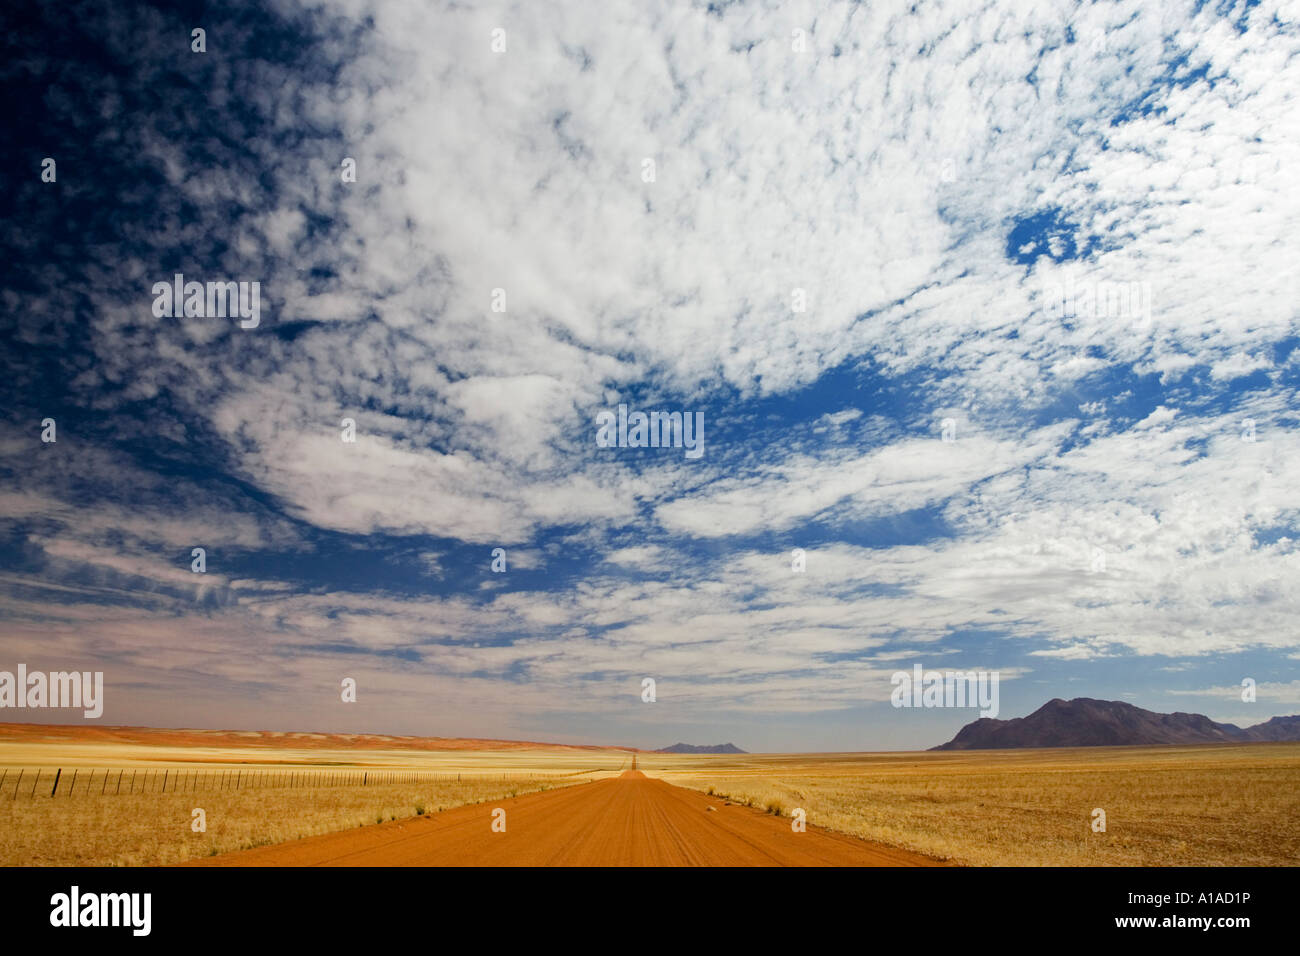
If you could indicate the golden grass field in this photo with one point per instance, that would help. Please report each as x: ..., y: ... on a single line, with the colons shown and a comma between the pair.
x: 154, y: 828
x: 1165, y: 806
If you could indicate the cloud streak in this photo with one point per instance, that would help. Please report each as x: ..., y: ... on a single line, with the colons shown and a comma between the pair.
x: 846, y: 256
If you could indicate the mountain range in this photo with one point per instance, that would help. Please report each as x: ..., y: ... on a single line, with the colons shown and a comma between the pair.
x: 1084, y: 722
x: 727, y: 748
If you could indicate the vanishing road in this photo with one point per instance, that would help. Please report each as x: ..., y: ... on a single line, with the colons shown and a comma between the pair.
x: 630, y: 820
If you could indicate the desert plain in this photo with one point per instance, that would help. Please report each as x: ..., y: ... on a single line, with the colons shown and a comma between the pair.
x: 127, y: 796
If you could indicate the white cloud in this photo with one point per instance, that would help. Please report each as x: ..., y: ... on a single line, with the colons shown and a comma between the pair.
x: 880, y: 181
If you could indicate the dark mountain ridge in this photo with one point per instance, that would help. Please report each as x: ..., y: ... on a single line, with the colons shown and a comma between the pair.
x: 727, y: 748
x: 1084, y: 722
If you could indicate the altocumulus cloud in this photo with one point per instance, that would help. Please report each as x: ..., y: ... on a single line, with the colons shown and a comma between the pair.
x: 844, y: 259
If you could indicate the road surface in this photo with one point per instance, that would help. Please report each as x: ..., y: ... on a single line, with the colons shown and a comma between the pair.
x: 630, y: 820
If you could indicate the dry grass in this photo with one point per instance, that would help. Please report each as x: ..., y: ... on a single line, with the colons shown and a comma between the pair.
x: 1165, y: 806
x: 154, y: 828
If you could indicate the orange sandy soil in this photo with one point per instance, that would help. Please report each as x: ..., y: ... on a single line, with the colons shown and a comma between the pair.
x: 630, y: 820
x: 297, y: 740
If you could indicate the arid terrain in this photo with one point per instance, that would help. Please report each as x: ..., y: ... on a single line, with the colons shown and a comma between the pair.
x: 628, y: 821
x: 126, y: 796
x: 1205, y: 805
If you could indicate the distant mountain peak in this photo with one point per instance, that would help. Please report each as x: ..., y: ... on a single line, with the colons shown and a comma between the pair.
x: 727, y: 748
x: 1086, y: 722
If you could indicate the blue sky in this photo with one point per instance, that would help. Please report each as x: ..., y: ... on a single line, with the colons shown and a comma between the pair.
x: 1066, y: 233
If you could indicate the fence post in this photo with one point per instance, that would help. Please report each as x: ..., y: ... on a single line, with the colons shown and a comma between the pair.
x: 56, y: 781
x: 165, y: 772
x: 105, y: 786
x: 74, y: 781
x: 119, y: 783
x: 18, y: 784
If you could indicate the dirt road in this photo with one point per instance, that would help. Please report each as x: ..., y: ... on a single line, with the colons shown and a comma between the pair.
x: 630, y: 820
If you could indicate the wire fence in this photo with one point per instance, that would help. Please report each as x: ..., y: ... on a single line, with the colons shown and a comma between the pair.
x: 80, y: 781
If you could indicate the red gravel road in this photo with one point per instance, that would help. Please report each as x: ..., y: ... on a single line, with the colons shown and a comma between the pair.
x: 630, y: 820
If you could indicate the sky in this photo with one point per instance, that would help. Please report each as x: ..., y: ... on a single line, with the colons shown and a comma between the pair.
x: 989, y: 311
